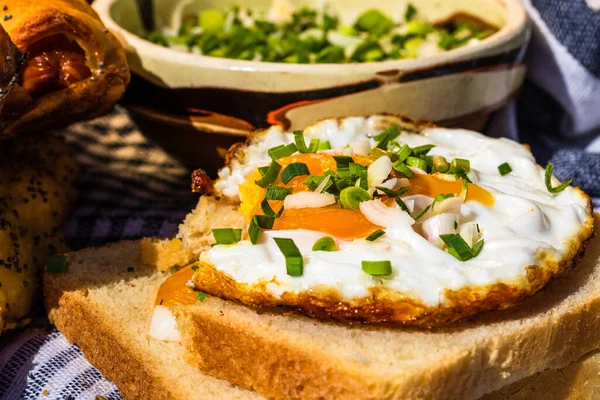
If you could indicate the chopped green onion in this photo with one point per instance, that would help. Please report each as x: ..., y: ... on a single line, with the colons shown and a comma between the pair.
x: 460, y: 173
x: 293, y: 170
x: 464, y: 192
x: 559, y: 188
x: 263, y: 170
x: 314, y: 181
x: 441, y: 197
x: 293, y: 258
x: 202, y: 296
x: 423, y: 211
x: 457, y: 246
x: 258, y: 223
x: 393, y: 193
x: 270, y: 176
x: 387, y: 136
x: 326, y: 243
x: 343, y: 183
x: 404, y: 153
x: 417, y: 162
x: 440, y: 164
x: 410, y: 12
x: 352, y: 196
x: 460, y: 163
x: 301, y: 144
x: 377, y: 268
x: 504, y: 169
x: 403, y: 169
x: 355, y: 169
x: 277, y: 193
x: 377, y: 152
x: 57, y: 265
x: 402, y: 205
x: 364, y: 180
x: 282, y: 151
x: 227, y: 235
x: 419, y: 150
x: 343, y: 165
x: 375, y: 235
x: 324, y: 145
x: 268, y: 211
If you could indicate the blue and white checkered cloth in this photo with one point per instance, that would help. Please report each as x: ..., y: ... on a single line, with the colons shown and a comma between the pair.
x: 129, y: 188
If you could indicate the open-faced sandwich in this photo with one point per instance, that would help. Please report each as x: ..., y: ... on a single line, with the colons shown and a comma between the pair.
x: 374, y: 220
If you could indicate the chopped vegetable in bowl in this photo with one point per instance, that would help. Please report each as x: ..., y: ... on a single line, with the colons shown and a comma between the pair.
x: 308, y: 35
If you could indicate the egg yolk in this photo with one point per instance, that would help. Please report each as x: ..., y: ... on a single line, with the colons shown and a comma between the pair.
x: 174, y: 291
x: 345, y: 224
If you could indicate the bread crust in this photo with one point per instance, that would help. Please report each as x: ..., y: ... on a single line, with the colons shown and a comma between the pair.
x: 32, y: 21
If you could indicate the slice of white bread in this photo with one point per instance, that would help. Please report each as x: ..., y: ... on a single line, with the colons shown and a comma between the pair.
x: 105, y: 307
x: 104, y: 304
x: 285, y: 355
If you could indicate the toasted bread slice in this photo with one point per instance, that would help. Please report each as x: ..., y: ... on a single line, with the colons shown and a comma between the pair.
x: 104, y: 304
x: 284, y: 355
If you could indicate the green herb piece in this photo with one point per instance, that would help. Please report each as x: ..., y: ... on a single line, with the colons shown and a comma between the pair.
x: 375, y: 235
x: 293, y: 258
x: 227, y: 235
x: 460, y: 173
x: 263, y: 170
x: 423, y: 211
x: 211, y: 20
x: 331, y: 55
x: 504, y: 169
x: 377, y: 268
x: 57, y: 265
x: 301, y: 144
x: 457, y: 246
x: 202, y: 296
x: 324, y: 145
x: 404, y: 153
x: 440, y: 164
x: 393, y: 193
x: 403, y: 169
x: 387, y: 136
x: 352, y: 196
x: 277, y: 193
x: 417, y: 162
x: 258, y: 223
x: 418, y: 28
x: 476, y: 249
x: 314, y: 181
x: 374, y: 22
x: 368, y: 51
x: 460, y: 163
x: 293, y: 170
x: 270, y: 175
x: 441, y: 197
x: 326, y: 243
x: 419, y: 150
x: 402, y: 205
x: 410, y: 12
x: 548, y: 176
x: 281, y: 151
x: 268, y: 211
x: 195, y: 268
x: 356, y: 169
x: 342, y: 164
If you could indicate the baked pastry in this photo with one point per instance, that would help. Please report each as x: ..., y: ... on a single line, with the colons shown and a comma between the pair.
x: 63, y: 65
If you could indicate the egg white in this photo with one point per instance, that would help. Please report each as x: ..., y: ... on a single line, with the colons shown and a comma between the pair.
x: 524, y: 222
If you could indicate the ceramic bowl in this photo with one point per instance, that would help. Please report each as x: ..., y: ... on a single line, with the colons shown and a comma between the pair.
x: 196, y: 106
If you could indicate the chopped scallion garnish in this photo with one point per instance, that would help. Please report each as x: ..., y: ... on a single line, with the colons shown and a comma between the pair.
x: 402, y: 205
x: 387, y: 136
x: 343, y: 165
x: 57, y: 265
x: 423, y: 211
x: 301, y: 144
x: 417, y: 162
x: 268, y: 211
x: 375, y: 235
x: 326, y: 243
x: 460, y: 163
x: 559, y: 188
x: 440, y: 164
x: 404, y: 153
x: 403, y: 169
x: 258, y: 223
x: 393, y: 193
x: 457, y: 246
x: 270, y: 175
x: 324, y: 145
x: 377, y: 268
x: 504, y: 169
x: 422, y: 150
x: 202, y: 296
x: 293, y: 170
x: 281, y: 151
x: 293, y: 258
x: 263, y: 170
x: 227, y: 235
x: 352, y: 196
x: 277, y: 193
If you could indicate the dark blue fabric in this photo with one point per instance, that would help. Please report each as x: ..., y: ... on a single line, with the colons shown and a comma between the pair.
x: 576, y: 26
x: 583, y: 167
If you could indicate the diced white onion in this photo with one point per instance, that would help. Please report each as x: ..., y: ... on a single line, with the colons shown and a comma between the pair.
x: 348, y: 151
x: 390, y: 184
x: 468, y: 231
x: 379, y: 170
x: 438, y: 225
x: 380, y: 214
x: 361, y: 147
x: 308, y: 200
x: 418, y: 201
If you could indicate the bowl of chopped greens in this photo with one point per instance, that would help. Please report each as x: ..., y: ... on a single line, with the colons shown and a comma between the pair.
x: 206, y: 72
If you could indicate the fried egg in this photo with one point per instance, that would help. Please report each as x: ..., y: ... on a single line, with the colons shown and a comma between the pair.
x: 479, y: 230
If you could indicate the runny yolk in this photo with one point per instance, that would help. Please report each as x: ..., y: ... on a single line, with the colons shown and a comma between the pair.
x: 174, y: 291
x: 342, y: 223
